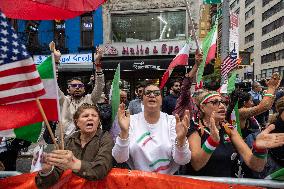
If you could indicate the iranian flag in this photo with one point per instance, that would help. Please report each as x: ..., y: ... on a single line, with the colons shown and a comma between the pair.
x: 235, y: 119
x: 23, y: 120
x: 209, y: 50
x: 115, y: 93
x: 228, y: 86
x: 181, y: 59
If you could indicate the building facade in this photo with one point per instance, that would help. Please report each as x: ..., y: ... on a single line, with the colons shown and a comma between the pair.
x: 261, y: 33
x: 144, y: 36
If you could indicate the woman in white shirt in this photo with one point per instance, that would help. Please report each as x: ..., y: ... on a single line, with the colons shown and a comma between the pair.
x: 152, y: 140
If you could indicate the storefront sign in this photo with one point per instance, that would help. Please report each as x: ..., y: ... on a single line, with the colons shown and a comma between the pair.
x: 67, y: 58
x: 145, y: 48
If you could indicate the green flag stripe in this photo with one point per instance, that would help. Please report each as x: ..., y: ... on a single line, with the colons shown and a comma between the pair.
x: 115, y: 97
x: 144, y: 135
x: 236, y: 109
x: 30, y: 132
x: 45, y: 69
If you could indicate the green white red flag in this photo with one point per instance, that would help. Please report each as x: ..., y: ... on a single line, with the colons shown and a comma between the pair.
x: 209, y: 50
x: 181, y: 59
x: 23, y: 119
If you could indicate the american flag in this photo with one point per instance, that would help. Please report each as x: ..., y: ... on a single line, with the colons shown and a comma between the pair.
x: 19, y: 78
x: 230, y: 63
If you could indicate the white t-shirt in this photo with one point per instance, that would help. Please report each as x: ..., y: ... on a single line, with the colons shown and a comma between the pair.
x: 151, y: 147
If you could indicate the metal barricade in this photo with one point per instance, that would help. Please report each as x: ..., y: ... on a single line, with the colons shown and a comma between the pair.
x: 4, y: 174
x: 241, y: 181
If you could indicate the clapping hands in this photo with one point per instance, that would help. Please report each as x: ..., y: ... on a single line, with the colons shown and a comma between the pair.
x: 182, y: 127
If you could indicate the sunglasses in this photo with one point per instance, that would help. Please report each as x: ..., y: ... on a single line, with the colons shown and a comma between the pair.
x: 77, y: 85
x: 217, y: 102
x: 155, y: 92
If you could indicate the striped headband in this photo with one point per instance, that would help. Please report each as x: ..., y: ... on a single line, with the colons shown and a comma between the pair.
x: 209, y: 96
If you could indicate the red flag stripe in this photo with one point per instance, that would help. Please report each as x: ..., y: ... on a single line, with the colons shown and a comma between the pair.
x: 25, y: 113
x: 165, y: 78
x: 18, y: 70
x: 22, y: 96
x: 19, y: 84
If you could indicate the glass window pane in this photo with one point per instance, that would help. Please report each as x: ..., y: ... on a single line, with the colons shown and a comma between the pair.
x: 148, y: 26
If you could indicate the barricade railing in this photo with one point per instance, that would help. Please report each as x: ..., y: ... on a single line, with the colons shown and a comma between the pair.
x: 242, y: 181
x: 4, y: 174
x: 120, y: 176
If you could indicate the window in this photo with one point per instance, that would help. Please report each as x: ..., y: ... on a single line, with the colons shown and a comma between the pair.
x: 272, y: 41
x: 249, y: 25
x: 273, y: 26
x: 148, y: 26
x: 13, y: 23
x: 250, y: 49
x: 236, y: 2
x: 279, y: 55
x: 265, y: 2
x: 250, y: 13
x: 273, y: 10
x: 248, y: 2
x: 32, y: 36
x: 59, y: 35
x: 249, y: 38
x: 237, y: 11
x: 87, y: 30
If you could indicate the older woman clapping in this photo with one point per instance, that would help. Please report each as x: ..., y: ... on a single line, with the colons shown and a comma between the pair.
x: 152, y: 140
x: 87, y: 154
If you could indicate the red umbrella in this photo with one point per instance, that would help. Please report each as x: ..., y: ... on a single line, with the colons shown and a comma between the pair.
x: 74, y: 5
x: 46, y: 9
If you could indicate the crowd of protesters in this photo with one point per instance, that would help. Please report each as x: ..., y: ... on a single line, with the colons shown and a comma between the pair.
x: 186, y: 132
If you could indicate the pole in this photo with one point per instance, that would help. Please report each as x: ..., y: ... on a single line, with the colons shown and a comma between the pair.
x: 46, y: 122
x: 192, y: 25
x: 225, y: 29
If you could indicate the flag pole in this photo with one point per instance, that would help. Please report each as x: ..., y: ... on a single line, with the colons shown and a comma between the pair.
x: 46, y: 122
x: 61, y: 135
x: 192, y: 25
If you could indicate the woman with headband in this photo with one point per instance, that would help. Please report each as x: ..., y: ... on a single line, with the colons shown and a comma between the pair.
x: 213, y: 141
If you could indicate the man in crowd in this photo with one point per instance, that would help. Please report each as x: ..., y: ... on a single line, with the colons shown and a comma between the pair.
x: 136, y: 106
x: 123, y: 98
x: 169, y: 102
x: 76, y: 93
x: 256, y: 98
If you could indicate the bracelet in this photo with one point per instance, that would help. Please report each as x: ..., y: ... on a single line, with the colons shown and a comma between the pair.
x: 178, y: 145
x: 46, y: 174
x: 209, y: 145
x: 260, y: 153
x: 270, y: 95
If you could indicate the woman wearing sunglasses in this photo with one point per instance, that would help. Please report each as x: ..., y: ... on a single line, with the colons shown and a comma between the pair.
x: 152, y: 140
x: 213, y: 142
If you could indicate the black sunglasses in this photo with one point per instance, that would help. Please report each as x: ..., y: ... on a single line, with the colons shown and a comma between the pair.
x: 155, y: 92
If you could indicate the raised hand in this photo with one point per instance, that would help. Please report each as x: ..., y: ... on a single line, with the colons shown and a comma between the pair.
x: 182, y: 127
x: 214, y: 132
x: 123, y: 120
x: 269, y: 140
x: 274, y: 82
x: 57, y: 53
x: 99, y: 54
x: 198, y: 57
